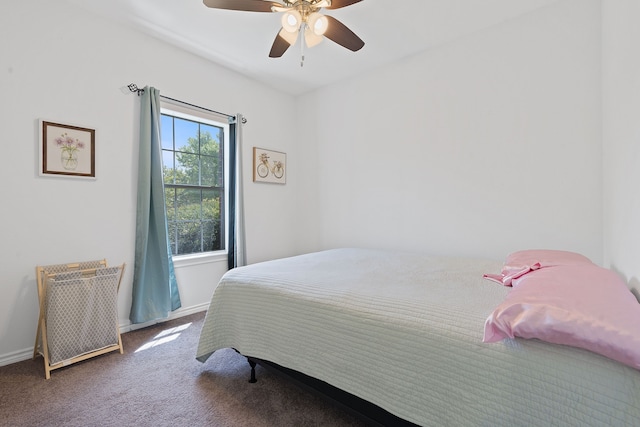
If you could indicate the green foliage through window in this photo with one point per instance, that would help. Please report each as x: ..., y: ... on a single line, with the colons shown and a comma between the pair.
x: 193, y: 169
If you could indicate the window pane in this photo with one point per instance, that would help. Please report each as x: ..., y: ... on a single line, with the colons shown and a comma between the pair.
x: 172, y: 238
x: 168, y: 172
x: 189, y: 237
x: 209, y: 140
x: 210, y: 204
x: 188, y: 204
x: 186, y: 135
x: 187, y: 169
x: 169, y: 199
x: 211, y: 165
x: 212, y: 237
x: 210, y: 171
x: 166, y: 132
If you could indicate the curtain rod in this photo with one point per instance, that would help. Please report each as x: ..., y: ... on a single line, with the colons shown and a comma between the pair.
x: 134, y: 88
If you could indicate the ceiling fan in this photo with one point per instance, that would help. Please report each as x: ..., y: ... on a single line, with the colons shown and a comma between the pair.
x: 301, y: 18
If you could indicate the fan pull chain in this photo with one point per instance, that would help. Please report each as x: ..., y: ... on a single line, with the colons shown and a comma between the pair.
x: 302, y: 42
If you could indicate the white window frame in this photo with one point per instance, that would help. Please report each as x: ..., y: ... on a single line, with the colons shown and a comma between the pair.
x: 193, y: 113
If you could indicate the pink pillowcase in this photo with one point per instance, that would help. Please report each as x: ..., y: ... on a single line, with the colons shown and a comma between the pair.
x: 522, y: 262
x: 580, y: 305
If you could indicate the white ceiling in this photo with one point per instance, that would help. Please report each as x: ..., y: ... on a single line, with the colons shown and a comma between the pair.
x: 241, y: 41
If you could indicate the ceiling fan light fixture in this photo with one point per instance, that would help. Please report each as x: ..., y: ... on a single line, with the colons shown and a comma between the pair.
x: 300, y: 19
x: 311, y: 38
x: 318, y: 23
x: 289, y: 36
x: 291, y: 21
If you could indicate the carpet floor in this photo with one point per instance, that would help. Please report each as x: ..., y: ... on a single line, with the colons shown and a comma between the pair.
x: 158, y: 382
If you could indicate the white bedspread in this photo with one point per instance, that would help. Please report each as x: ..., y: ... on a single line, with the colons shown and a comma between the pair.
x: 404, y: 331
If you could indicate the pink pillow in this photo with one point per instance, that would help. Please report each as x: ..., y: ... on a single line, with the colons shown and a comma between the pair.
x: 583, y: 306
x: 522, y: 262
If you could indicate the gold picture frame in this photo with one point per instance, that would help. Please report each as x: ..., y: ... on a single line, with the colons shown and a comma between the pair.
x: 269, y: 166
x: 67, y: 150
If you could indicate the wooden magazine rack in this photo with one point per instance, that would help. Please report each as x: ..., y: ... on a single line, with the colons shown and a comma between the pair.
x: 78, y: 312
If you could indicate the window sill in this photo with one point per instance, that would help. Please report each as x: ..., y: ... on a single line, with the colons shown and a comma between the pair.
x: 180, y: 261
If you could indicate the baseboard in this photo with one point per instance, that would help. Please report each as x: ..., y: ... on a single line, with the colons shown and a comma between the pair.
x: 181, y: 312
x: 16, y: 356
x: 25, y: 354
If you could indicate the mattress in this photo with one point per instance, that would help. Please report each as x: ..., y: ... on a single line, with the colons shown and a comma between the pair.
x: 404, y: 332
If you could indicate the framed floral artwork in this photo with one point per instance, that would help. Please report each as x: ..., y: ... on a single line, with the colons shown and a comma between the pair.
x: 67, y: 150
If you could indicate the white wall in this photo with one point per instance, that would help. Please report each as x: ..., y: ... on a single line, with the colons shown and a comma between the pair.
x: 489, y: 144
x: 621, y: 121
x: 63, y: 64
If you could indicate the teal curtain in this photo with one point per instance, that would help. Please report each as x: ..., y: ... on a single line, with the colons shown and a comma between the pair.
x: 155, y: 289
x: 236, y: 248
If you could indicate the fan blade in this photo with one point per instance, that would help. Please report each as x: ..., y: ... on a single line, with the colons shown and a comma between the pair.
x: 279, y: 47
x: 337, y: 4
x: 244, y: 5
x: 339, y: 33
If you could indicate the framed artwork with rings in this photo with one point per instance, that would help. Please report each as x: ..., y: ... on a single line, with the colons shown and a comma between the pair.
x: 269, y: 166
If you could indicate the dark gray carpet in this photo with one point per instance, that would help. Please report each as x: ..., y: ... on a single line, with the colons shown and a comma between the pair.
x: 162, y: 385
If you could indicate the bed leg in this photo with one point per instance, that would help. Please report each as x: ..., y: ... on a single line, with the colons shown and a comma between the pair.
x: 253, y: 371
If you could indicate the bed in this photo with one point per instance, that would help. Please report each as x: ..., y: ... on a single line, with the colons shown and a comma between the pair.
x: 404, y: 333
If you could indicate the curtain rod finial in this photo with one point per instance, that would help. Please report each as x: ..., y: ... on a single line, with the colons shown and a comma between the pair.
x: 134, y: 88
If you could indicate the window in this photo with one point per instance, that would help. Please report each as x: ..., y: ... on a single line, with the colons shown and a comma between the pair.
x: 193, y: 156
